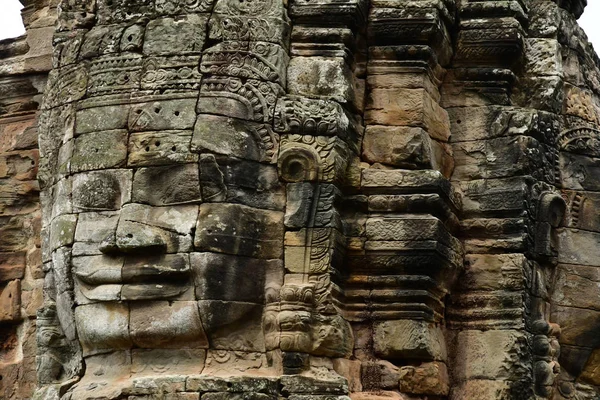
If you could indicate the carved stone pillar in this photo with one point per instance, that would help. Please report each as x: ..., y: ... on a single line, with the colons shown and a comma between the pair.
x: 319, y: 141
x: 505, y: 167
x: 402, y: 255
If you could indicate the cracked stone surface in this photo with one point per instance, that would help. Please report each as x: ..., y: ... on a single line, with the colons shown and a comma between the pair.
x: 303, y: 200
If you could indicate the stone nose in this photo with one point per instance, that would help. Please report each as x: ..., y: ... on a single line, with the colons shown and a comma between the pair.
x: 132, y: 237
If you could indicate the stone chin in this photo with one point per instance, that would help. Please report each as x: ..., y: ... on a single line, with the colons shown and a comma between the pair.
x: 109, y: 326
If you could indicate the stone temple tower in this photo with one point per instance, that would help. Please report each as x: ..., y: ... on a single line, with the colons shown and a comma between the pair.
x: 300, y: 199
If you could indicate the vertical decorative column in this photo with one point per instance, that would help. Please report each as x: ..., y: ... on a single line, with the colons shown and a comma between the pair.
x: 504, y: 154
x: 403, y: 255
x: 320, y: 133
x: 565, y: 348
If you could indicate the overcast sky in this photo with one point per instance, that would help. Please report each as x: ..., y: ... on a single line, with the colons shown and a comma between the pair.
x: 11, y: 25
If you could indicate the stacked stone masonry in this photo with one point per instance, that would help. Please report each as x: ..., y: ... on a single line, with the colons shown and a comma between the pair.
x: 304, y: 200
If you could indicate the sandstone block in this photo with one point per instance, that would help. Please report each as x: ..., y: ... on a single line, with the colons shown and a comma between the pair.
x: 580, y: 103
x: 483, y: 196
x: 10, y: 301
x: 103, y: 326
x: 237, y: 396
x: 162, y: 115
x: 403, y: 147
x: 273, y: 27
x: 98, y: 41
x: 582, y: 208
x: 409, y: 339
x: 171, y: 73
x: 160, y: 148
x: 543, y: 57
x: 400, y: 181
x: 154, y: 185
x: 308, y: 385
x: 14, y: 232
x: 229, y: 362
x: 234, y: 137
x: 328, y: 77
x: 482, y: 389
x: 407, y: 107
x: 105, y: 118
x: 578, y: 325
x: 226, y: 277
x: 62, y: 231
x: 427, y: 378
x: 108, y: 12
x: 379, y: 375
x: 172, y: 291
x: 106, y: 292
x: 182, y: 396
x: 310, y: 116
x: 212, y: 180
x: 349, y: 369
x: 493, y: 354
x: 378, y: 395
x: 61, y: 267
x: 225, y: 59
x: 179, y: 219
x: 499, y: 158
x: 92, y: 229
x: 170, y: 268
x: 139, y: 237
x: 542, y: 92
x: 67, y: 151
x: 162, y: 324
x: 206, y: 383
x: 577, y: 286
x: 99, y: 150
x: 494, y: 272
x: 12, y: 266
x: 241, y: 230
x: 313, y: 250
x: 57, y: 200
x: 168, y: 7
x: 233, y: 325
x: 21, y: 165
x: 477, y: 123
x: 101, y: 190
x: 410, y: 227
x: 18, y: 135
x: 180, y: 35
x: 578, y: 247
x: 240, y: 181
x: 405, y: 80
x: 579, y: 172
x: 591, y: 371
x: 298, y: 210
x: 219, y: 95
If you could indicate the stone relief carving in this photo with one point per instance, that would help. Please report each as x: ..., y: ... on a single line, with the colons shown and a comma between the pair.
x: 331, y: 200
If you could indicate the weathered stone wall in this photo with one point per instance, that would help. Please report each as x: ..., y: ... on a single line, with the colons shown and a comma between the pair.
x: 523, y: 107
x: 394, y: 200
x: 574, y: 288
x: 24, y: 65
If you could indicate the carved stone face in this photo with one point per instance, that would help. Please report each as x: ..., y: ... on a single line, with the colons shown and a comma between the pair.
x: 163, y: 205
x: 165, y: 244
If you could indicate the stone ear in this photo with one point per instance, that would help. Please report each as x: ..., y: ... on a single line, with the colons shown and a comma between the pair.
x: 551, y: 209
x: 297, y: 164
x: 550, y: 214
